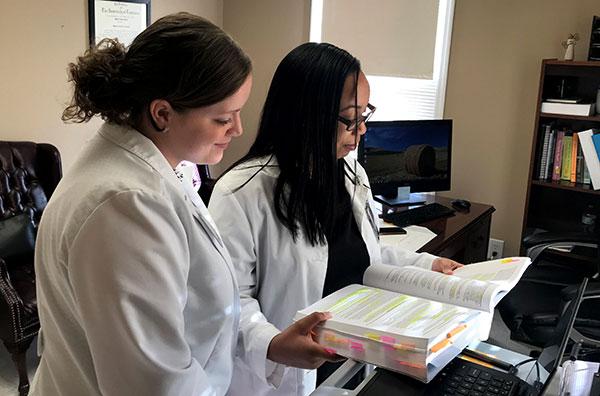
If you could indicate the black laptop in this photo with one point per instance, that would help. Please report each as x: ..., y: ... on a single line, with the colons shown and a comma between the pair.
x: 464, y: 378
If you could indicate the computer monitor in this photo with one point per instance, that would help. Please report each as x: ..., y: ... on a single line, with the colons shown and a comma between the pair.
x: 416, y: 154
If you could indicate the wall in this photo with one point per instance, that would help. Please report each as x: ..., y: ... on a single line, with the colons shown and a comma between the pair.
x: 267, y: 30
x: 493, y: 76
x: 37, y: 41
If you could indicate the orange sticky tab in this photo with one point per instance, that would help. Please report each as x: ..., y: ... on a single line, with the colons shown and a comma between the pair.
x: 473, y: 360
x: 409, y: 364
x: 440, y: 345
x: 457, y: 330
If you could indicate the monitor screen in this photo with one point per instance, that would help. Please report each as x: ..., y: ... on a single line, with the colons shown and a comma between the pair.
x: 407, y: 153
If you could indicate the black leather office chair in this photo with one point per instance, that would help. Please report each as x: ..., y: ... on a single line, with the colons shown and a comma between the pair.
x: 29, y: 173
x: 532, y: 309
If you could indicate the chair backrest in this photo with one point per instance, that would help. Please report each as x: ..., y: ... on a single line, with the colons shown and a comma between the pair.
x: 29, y: 173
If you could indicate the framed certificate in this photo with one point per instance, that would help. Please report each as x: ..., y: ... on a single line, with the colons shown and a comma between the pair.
x: 122, y: 19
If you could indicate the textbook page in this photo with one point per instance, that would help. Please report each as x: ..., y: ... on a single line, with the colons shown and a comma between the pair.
x: 479, y: 288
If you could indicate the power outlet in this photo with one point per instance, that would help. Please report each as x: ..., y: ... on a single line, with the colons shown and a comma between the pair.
x: 495, y: 249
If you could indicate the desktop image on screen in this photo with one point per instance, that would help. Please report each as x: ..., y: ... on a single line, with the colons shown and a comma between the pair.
x: 413, y: 154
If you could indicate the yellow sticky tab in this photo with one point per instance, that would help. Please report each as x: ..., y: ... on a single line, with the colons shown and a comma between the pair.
x: 373, y: 336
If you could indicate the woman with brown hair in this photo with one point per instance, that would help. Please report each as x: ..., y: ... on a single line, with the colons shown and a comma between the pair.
x: 136, y: 290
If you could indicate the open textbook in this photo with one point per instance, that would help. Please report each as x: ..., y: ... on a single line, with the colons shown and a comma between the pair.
x: 413, y: 320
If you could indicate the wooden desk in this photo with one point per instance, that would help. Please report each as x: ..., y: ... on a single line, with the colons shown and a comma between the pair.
x: 463, y: 237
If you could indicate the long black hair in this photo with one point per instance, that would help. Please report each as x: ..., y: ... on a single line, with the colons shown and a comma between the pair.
x: 299, y: 128
x: 182, y: 58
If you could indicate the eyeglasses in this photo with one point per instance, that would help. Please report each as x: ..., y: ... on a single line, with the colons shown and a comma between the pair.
x: 352, y: 125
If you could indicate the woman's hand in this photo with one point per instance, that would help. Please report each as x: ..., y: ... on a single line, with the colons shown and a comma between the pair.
x: 296, y: 347
x: 445, y: 266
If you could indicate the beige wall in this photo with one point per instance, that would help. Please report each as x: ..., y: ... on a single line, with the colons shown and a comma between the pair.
x: 267, y: 30
x: 37, y: 41
x: 493, y: 76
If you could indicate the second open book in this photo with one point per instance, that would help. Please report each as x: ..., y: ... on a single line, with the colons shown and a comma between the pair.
x: 413, y: 320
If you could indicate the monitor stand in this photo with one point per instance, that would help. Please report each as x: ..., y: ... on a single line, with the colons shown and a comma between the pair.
x: 412, y: 199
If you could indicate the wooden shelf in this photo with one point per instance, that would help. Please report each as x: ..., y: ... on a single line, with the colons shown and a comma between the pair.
x: 595, y: 118
x: 557, y: 62
x: 558, y: 205
x: 565, y: 185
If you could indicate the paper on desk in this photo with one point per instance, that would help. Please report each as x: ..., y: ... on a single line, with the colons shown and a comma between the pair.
x: 415, y: 238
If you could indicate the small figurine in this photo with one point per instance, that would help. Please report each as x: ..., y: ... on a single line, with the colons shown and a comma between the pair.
x: 569, y: 44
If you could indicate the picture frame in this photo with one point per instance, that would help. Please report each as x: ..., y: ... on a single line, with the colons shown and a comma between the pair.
x: 120, y: 19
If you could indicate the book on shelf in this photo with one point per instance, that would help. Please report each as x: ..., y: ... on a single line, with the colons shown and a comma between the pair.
x: 574, y: 146
x: 544, y: 152
x: 565, y: 173
x: 596, y: 140
x: 591, y: 157
x: 550, y: 155
x: 586, y: 173
x: 557, y: 163
x: 563, y: 100
x: 413, y: 320
x: 577, y: 109
x: 580, y: 161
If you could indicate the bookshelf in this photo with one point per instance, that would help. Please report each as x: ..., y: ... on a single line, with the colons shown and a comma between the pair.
x: 557, y: 205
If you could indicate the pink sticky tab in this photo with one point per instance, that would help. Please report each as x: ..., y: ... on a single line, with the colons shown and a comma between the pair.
x: 330, y: 350
x: 356, y: 345
x: 388, y: 339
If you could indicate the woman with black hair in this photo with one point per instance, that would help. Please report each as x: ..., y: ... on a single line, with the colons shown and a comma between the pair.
x: 136, y: 290
x: 295, y: 212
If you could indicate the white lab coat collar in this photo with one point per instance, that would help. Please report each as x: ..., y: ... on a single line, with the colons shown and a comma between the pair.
x: 138, y: 144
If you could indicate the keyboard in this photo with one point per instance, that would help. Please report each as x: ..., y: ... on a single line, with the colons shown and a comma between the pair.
x: 464, y: 378
x: 458, y: 378
x: 418, y: 215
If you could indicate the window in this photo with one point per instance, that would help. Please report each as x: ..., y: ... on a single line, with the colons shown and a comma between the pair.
x: 403, y: 46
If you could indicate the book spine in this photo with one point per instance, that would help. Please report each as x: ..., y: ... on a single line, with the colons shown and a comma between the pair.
x: 544, y: 155
x: 580, y: 162
x: 565, y: 173
x: 574, y: 144
x: 590, y: 157
x: 550, y: 155
x: 586, y: 173
x: 558, y: 156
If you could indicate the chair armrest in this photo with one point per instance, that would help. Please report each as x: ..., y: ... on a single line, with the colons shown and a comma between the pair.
x: 570, y: 292
x: 555, y: 237
x: 537, y: 243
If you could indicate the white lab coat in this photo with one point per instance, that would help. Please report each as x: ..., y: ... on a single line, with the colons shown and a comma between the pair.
x: 276, y: 276
x: 135, y: 288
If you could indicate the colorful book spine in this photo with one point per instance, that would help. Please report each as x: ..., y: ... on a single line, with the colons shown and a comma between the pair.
x: 596, y: 140
x: 565, y: 172
x: 574, y: 144
x: 558, y: 156
x: 544, y: 154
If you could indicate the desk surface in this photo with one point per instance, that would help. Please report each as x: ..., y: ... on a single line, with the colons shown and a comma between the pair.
x: 463, y: 237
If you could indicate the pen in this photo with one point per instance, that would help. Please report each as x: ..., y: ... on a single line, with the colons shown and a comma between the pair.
x: 488, y: 359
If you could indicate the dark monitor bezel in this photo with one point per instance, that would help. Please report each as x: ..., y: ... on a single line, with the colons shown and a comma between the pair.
x: 390, y: 189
